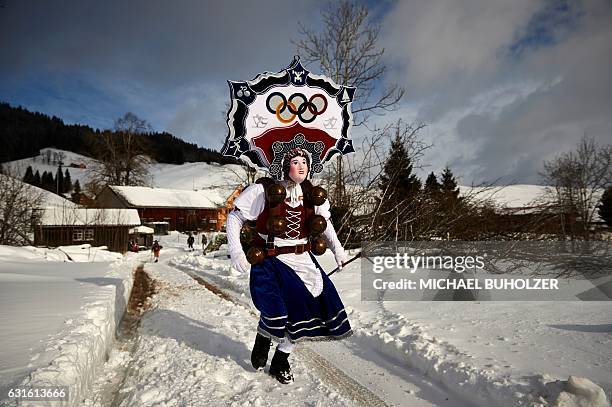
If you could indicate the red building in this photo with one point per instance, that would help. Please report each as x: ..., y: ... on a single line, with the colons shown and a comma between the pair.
x: 183, y: 210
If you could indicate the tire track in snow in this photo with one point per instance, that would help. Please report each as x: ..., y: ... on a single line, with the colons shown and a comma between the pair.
x: 344, y: 384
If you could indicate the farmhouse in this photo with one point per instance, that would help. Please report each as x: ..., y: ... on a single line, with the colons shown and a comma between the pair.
x: 204, y: 210
x: 98, y: 227
x: 533, y: 208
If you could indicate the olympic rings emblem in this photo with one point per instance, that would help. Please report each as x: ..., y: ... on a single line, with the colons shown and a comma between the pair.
x: 298, y: 105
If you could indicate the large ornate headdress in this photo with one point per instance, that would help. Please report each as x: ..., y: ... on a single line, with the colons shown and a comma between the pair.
x: 277, y: 112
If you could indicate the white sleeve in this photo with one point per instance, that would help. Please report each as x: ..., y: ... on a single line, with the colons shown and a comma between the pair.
x: 331, y: 238
x: 234, y: 223
x: 251, y: 201
x: 323, y: 210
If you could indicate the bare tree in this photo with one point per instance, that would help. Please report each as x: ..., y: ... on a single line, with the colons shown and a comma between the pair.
x: 121, y: 155
x: 577, y: 178
x: 347, y: 51
x: 18, y: 214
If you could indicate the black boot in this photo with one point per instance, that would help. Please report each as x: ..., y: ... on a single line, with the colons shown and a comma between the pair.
x: 259, y: 355
x: 279, y: 367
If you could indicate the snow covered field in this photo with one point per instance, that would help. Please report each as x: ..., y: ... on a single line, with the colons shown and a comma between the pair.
x: 59, y: 316
x: 485, y: 353
x: 193, y: 346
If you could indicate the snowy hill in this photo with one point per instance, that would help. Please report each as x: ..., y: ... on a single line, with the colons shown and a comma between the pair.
x: 49, y: 199
x: 42, y: 164
x: 188, y: 176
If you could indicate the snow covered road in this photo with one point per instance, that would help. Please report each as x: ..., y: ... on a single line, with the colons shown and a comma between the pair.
x: 194, y: 349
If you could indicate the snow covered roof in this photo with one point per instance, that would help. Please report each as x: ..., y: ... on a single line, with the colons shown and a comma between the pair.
x: 142, y: 229
x: 88, y: 216
x: 510, y: 196
x: 165, y: 198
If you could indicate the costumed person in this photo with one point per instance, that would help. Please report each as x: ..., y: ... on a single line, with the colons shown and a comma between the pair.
x: 296, y: 299
x: 289, y: 124
x: 156, y: 248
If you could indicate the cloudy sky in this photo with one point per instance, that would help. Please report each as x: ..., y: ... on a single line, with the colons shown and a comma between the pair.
x: 501, y: 85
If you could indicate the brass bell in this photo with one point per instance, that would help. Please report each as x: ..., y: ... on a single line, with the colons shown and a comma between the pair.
x: 318, y: 195
x: 275, y: 194
x: 318, y: 246
x: 317, y: 224
x: 247, y: 234
x: 276, y: 225
x: 255, y: 255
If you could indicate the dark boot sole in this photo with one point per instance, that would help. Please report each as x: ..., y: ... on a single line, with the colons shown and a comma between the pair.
x: 281, y: 380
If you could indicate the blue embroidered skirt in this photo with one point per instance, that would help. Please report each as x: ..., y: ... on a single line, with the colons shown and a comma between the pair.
x: 288, y: 308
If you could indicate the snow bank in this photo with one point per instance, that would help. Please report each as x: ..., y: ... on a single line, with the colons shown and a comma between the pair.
x: 84, y: 253
x: 71, y: 308
x: 581, y: 392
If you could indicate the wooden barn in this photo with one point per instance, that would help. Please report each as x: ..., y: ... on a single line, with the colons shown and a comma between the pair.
x: 98, y: 227
x: 204, y: 210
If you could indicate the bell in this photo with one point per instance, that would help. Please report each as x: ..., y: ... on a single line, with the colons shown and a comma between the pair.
x: 276, y: 225
x: 318, y: 246
x: 275, y: 194
x: 318, y: 195
x: 247, y: 234
x: 317, y: 224
x: 255, y: 255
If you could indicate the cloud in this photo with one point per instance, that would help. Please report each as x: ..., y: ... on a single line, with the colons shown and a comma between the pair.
x: 436, y: 42
x: 504, y: 86
x: 158, y: 42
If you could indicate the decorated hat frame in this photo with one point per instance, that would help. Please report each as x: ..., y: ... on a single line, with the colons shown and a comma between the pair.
x: 276, y: 112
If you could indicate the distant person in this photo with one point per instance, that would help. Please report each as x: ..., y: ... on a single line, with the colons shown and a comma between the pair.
x: 204, y: 243
x: 135, y: 247
x: 190, y: 241
x: 156, y: 248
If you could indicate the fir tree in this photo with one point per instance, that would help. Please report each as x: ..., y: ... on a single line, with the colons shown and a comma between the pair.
x: 36, y: 181
x: 397, y: 181
x: 605, y: 206
x: 47, y: 181
x: 77, y: 187
x: 400, y: 189
x: 432, y: 186
x: 29, y: 175
x: 67, y: 182
x: 76, y: 195
x: 449, y: 188
x: 59, y: 180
